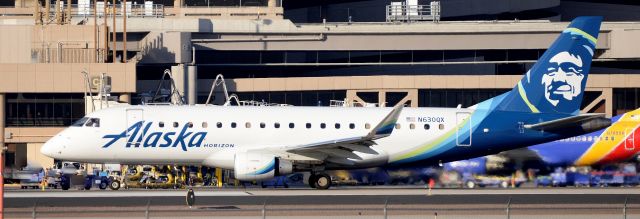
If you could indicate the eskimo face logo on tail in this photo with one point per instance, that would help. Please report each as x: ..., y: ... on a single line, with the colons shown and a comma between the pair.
x: 141, y: 137
x: 563, y: 78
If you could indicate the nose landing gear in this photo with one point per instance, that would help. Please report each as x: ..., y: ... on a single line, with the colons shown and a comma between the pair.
x: 320, y: 181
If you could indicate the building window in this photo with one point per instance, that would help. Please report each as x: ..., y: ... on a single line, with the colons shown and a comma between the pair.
x: 308, y: 125
x: 276, y: 125
x: 205, y: 125
x: 352, y: 126
x: 322, y: 125
x: 49, y: 109
x: 161, y: 124
x: 262, y: 125
x: 219, y: 125
x: 175, y: 124
x: 337, y: 125
x: 291, y: 125
x: 233, y: 125
x: 427, y: 126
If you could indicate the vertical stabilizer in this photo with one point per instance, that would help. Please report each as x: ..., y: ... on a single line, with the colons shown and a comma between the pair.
x: 556, y: 82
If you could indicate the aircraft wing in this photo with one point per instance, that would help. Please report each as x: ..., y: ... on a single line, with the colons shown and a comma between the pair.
x: 568, y: 122
x: 340, y: 150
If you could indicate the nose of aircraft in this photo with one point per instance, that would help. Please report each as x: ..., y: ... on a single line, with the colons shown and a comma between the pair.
x: 52, y: 148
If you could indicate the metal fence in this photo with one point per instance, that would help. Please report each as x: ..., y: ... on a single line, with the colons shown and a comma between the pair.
x: 67, y: 55
x: 133, y: 10
x: 385, y: 210
x: 398, y: 11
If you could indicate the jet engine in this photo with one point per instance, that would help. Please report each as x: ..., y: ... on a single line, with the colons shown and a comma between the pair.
x: 250, y: 166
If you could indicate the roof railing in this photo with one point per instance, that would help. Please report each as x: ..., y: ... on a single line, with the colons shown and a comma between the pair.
x: 401, y: 12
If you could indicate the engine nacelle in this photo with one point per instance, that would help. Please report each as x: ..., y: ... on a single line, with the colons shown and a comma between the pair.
x: 250, y: 166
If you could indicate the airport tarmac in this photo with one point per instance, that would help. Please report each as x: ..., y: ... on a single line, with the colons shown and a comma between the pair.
x: 361, y: 202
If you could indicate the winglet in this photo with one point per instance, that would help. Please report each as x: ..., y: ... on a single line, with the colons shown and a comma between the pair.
x: 385, y: 127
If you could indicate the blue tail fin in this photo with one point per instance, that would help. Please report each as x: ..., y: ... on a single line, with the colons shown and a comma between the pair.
x: 556, y: 83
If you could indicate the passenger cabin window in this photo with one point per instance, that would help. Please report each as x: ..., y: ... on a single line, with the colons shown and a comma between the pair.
x: 367, y: 126
x: 80, y: 122
x: 276, y: 125
x: 161, y: 124
x: 352, y: 126
x: 175, y: 124
x: 412, y: 126
x: 337, y: 126
x: 322, y: 125
x: 205, y: 125
x: 190, y: 124
x: 233, y: 125
x: 441, y: 126
x: 219, y: 125
x: 93, y: 122
x: 398, y: 126
x: 291, y: 125
x: 308, y: 125
x: 247, y: 125
x: 427, y: 126
x: 262, y: 125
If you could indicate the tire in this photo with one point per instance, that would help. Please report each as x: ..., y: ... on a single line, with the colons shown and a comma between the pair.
x: 470, y: 184
x: 312, y: 181
x: 87, y: 188
x: 323, y: 181
x: 114, y: 185
x: 103, y: 185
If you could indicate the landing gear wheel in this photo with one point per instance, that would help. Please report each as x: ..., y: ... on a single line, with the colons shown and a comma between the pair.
x: 114, y: 185
x: 323, y: 181
x: 312, y: 181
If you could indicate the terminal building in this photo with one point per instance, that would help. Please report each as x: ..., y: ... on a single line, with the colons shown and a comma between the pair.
x: 303, y: 53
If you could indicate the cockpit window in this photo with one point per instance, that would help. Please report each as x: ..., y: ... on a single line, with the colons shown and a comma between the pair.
x: 80, y: 122
x: 93, y: 122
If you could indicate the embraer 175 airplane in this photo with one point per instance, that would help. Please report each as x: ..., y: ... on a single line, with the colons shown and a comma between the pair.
x: 259, y: 143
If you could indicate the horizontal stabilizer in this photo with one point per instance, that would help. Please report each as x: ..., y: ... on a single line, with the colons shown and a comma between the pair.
x: 585, y: 121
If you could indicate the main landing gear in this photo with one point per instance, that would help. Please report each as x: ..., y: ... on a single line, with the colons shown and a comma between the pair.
x: 319, y: 181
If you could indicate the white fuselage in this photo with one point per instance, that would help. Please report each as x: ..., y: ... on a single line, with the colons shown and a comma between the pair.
x: 221, y: 143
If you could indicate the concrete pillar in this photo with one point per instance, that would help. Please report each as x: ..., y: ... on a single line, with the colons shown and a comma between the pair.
x: 177, y: 3
x: 192, y: 85
x: 179, y: 78
x: 2, y: 160
x: 271, y: 3
x: 2, y: 117
x: 125, y: 98
x: 382, y: 98
x: 608, y: 101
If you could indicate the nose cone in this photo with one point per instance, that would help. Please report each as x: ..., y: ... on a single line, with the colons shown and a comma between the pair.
x: 52, y: 148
